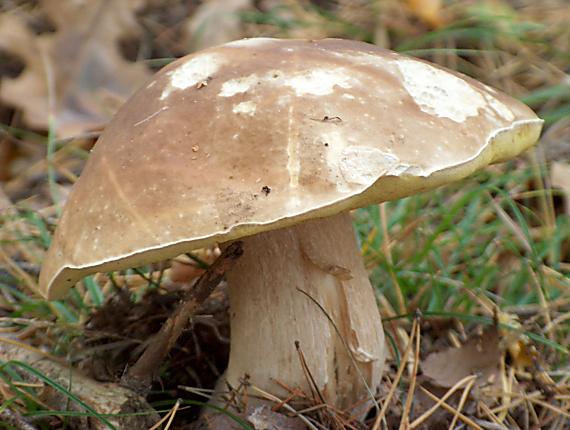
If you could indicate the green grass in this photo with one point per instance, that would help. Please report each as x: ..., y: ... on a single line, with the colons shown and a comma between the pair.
x: 452, y: 253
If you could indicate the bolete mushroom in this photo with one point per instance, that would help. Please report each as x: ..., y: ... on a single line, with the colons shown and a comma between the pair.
x: 274, y: 142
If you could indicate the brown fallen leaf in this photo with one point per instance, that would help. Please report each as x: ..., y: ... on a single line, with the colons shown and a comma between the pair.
x: 480, y: 356
x: 429, y: 11
x: 522, y: 353
x: 263, y: 418
x: 260, y: 418
x: 77, y: 73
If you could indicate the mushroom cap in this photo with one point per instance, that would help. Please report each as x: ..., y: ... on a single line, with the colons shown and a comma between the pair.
x: 260, y: 134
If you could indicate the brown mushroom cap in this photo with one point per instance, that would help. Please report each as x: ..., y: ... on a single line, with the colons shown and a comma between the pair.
x: 260, y: 134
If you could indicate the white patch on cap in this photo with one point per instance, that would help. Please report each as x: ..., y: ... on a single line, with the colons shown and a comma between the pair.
x: 239, y: 85
x: 363, y: 165
x: 499, y: 109
x: 247, y: 108
x: 440, y: 93
x: 251, y: 42
x: 192, y: 72
x: 318, y: 82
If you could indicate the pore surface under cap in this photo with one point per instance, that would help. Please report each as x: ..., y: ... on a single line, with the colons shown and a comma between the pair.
x: 263, y: 133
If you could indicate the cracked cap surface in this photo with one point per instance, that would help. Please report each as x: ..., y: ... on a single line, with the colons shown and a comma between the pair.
x: 260, y: 134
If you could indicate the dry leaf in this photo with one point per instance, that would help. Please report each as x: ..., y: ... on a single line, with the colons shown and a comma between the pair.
x: 479, y: 356
x: 429, y: 11
x: 263, y: 418
x: 77, y: 72
x: 216, y: 22
x: 521, y: 351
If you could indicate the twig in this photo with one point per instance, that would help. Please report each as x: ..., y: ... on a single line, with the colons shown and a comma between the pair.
x: 551, y: 407
x: 169, y: 416
x: 396, y: 380
x: 315, y: 391
x: 285, y: 405
x: 405, y: 421
x: 441, y: 402
x: 207, y: 393
x: 312, y: 383
x: 462, y: 401
x: 293, y: 393
x: 140, y: 376
x: 491, y: 416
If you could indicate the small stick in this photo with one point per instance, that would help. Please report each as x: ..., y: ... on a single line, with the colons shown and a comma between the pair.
x: 441, y: 401
x: 395, y: 382
x: 139, y: 377
x: 405, y: 421
x: 313, y: 385
x: 462, y: 401
x: 448, y: 408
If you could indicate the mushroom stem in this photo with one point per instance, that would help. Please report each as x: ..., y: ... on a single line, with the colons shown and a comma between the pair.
x: 343, y: 349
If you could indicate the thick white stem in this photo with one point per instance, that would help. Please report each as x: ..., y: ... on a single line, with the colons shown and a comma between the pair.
x: 269, y: 313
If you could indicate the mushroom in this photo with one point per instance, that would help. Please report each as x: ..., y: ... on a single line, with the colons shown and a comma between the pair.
x: 273, y: 142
